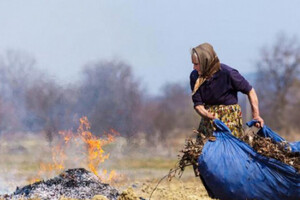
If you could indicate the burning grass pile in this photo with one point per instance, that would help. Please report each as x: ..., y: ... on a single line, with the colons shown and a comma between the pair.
x: 73, y: 183
x: 264, y: 146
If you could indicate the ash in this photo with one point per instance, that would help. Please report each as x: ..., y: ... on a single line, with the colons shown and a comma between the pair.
x: 72, y: 183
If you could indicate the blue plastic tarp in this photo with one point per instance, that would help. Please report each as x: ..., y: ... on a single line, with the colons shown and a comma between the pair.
x: 231, y: 169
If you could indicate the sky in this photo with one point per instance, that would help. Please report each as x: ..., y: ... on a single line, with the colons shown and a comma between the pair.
x: 153, y: 36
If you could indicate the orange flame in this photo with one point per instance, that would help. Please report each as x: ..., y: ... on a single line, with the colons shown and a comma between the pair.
x: 95, y: 155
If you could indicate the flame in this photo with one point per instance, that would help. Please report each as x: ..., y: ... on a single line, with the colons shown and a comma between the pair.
x: 67, y: 135
x: 94, y: 152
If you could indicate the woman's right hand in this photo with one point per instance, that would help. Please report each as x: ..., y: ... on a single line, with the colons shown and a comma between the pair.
x: 200, y: 109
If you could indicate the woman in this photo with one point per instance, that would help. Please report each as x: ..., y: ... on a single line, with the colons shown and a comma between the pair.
x: 215, y: 87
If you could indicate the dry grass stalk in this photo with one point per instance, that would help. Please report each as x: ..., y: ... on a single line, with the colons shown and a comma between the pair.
x: 188, y: 157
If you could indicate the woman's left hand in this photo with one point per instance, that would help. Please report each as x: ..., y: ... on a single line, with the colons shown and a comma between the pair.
x: 260, y: 122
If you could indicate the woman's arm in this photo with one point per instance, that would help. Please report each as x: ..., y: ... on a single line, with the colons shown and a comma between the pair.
x: 255, y: 109
x: 203, y: 112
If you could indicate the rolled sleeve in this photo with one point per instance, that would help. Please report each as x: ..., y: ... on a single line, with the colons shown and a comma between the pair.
x: 197, y: 100
x: 239, y: 83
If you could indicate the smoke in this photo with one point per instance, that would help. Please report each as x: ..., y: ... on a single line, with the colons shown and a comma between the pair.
x: 34, y: 108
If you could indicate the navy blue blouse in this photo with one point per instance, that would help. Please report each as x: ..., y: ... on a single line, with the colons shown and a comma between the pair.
x: 221, y: 88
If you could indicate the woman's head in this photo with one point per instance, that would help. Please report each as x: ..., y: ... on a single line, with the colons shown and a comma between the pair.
x: 205, y: 60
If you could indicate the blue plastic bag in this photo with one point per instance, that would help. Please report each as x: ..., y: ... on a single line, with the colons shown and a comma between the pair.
x: 231, y: 169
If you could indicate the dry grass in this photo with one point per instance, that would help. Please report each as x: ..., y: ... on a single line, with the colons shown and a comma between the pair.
x: 139, y: 169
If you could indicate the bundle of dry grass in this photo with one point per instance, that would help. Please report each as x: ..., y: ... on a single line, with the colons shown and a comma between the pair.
x: 278, y: 150
x: 188, y: 157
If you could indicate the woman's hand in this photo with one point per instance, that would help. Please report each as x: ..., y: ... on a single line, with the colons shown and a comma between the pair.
x: 260, y: 122
x: 204, y: 113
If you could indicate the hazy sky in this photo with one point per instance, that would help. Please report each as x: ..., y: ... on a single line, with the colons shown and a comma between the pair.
x: 154, y: 37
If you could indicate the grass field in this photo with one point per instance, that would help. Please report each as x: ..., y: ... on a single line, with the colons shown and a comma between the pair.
x: 138, y: 168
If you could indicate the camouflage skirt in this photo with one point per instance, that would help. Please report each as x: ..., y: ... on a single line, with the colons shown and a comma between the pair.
x: 231, y: 115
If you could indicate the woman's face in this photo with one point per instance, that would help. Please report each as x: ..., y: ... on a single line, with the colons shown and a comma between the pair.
x: 196, y: 63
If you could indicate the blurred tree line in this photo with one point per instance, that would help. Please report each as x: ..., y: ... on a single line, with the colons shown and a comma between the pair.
x: 278, y: 84
x: 108, y: 94
x: 111, y: 97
